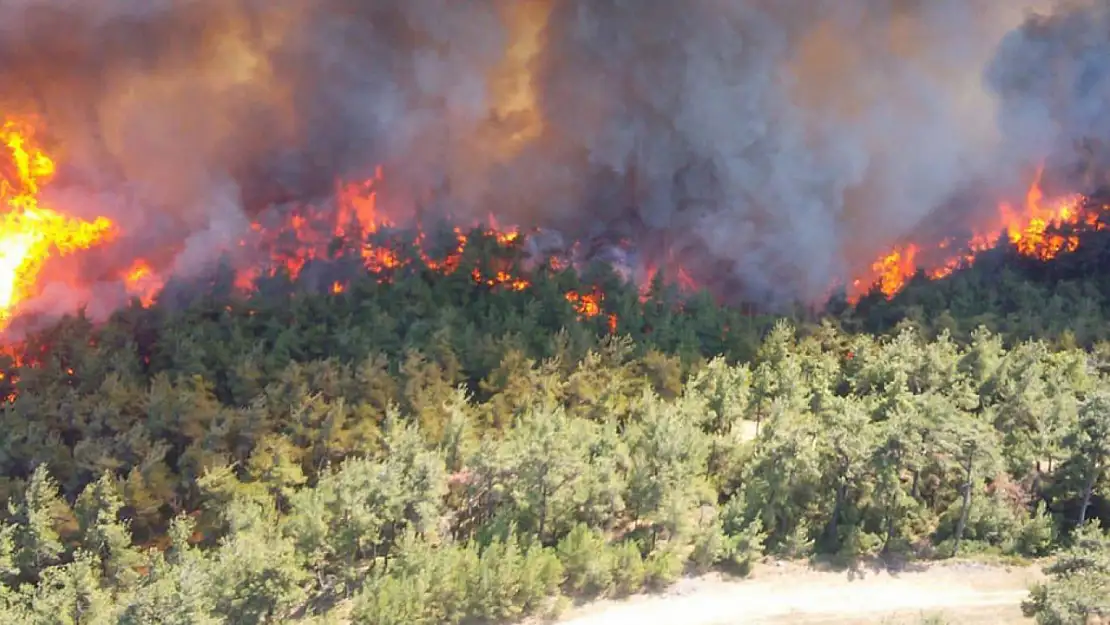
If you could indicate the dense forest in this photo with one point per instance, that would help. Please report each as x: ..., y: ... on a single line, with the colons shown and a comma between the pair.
x: 429, y: 449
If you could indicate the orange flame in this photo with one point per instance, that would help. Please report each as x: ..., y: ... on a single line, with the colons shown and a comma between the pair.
x: 1028, y: 229
x: 1041, y: 228
x: 142, y: 282
x: 588, y: 305
x: 30, y: 234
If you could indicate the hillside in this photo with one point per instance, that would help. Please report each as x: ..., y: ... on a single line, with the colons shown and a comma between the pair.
x: 1010, y: 293
x: 410, y: 312
x: 438, y: 449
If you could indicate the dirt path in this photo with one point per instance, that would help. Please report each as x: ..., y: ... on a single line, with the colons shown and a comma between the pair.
x: 960, y: 593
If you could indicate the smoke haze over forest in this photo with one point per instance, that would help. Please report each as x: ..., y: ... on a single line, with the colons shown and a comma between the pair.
x: 775, y: 146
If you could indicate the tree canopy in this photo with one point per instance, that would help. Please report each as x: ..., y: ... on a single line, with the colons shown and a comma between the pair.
x: 429, y: 449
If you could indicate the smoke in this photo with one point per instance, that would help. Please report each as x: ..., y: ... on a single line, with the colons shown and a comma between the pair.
x: 774, y: 147
x: 1053, y: 76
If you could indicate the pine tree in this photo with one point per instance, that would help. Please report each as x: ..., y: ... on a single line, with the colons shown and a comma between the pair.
x: 39, y: 516
x: 104, y: 534
x: 1089, y: 442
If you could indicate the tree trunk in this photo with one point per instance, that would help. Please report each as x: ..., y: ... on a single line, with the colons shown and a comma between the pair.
x: 1088, y: 490
x: 543, y: 512
x: 892, y: 507
x: 834, y: 522
x: 491, y: 505
x: 789, y: 487
x: 965, y: 508
x: 544, y: 494
x: 1036, y: 487
x: 889, y: 530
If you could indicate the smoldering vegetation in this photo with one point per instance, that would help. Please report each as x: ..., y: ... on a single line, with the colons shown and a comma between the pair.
x: 771, y: 148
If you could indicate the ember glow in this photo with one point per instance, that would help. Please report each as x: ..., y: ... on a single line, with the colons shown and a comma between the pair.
x: 1039, y: 227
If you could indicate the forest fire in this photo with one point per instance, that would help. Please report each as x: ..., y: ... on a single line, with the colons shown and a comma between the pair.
x: 32, y: 234
x: 1040, y: 228
x: 764, y: 191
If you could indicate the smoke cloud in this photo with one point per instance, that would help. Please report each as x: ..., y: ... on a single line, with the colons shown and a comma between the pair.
x: 774, y: 147
x: 1053, y: 76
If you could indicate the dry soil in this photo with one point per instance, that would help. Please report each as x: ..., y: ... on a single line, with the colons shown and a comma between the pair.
x: 780, y: 593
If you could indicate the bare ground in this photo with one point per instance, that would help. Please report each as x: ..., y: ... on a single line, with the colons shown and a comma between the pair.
x: 780, y: 593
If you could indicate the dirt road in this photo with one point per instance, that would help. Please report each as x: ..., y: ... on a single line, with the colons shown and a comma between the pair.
x: 961, y: 593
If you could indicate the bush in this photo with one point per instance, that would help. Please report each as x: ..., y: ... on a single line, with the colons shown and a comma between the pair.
x: 585, y: 557
x: 629, y: 571
x: 1038, y: 534
x: 1078, y: 588
x: 711, y: 546
x: 745, y: 547
x: 662, y: 568
x: 856, y: 543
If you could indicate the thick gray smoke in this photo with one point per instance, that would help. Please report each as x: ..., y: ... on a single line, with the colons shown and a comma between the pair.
x: 776, y: 144
x: 773, y: 146
x: 1053, y: 76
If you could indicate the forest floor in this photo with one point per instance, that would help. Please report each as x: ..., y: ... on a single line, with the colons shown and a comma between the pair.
x: 778, y: 593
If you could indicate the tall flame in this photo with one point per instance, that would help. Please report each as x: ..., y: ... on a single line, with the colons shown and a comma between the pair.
x: 30, y: 233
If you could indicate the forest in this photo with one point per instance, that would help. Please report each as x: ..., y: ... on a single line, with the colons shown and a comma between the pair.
x: 429, y: 449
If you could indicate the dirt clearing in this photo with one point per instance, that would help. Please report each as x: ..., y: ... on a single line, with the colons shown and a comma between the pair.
x: 957, y: 592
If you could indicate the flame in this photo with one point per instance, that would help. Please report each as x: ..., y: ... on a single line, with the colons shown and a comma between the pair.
x: 894, y: 269
x: 310, y: 234
x: 1028, y: 230
x: 586, y: 304
x: 358, y: 206
x: 30, y: 234
x: 142, y: 282
x: 1041, y: 228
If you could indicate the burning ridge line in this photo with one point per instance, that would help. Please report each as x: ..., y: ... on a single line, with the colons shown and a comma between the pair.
x: 31, y: 234
x: 1041, y: 228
